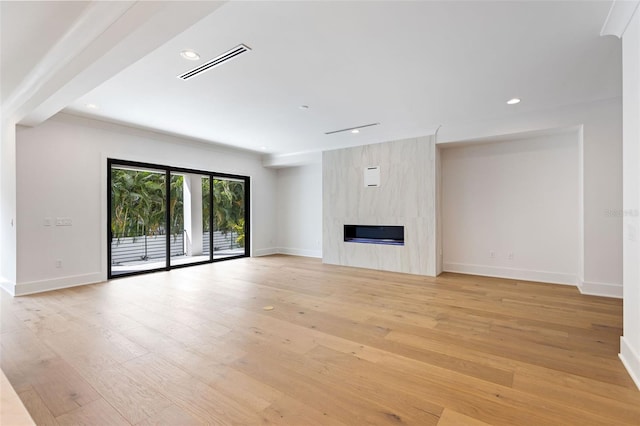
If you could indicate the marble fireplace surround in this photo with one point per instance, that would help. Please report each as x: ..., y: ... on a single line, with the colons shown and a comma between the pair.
x: 406, y: 197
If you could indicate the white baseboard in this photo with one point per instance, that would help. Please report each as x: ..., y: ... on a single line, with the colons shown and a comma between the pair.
x: 265, y: 251
x: 300, y: 252
x: 287, y: 250
x: 8, y: 286
x: 511, y: 273
x: 55, y: 284
x: 631, y: 360
x: 600, y: 289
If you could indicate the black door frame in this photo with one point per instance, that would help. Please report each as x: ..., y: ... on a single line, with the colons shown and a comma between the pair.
x: 168, y: 170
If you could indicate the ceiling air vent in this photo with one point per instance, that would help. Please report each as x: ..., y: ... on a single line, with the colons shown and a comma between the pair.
x: 351, y: 129
x: 218, y: 60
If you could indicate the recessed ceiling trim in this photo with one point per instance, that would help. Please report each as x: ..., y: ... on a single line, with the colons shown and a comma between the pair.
x: 190, y: 55
x: 351, y: 128
x: 218, y: 60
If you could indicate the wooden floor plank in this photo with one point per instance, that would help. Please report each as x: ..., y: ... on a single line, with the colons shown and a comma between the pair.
x: 342, y: 346
x: 12, y: 408
x: 451, y: 418
x: 289, y: 411
x: 189, y: 393
x: 39, y: 412
x: 60, y: 386
x: 99, y: 412
x: 172, y: 416
x: 133, y: 400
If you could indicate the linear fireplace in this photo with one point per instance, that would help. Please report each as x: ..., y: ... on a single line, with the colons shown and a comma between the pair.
x: 374, y: 234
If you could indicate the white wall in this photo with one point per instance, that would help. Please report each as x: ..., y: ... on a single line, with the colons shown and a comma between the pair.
x: 8, y: 205
x: 439, y: 217
x: 299, y: 210
x: 601, y: 124
x: 513, y: 197
x: 630, y: 342
x: 61, y: 172
x: 406, y: 196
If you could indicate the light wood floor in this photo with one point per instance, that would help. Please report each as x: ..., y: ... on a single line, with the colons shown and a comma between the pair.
x: 342, y: 346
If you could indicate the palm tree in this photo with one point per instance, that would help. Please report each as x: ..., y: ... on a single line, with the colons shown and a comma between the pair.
x: 206, y: 206
x: 228, y: 207
x: 176, y: 205
x: 138, y: 202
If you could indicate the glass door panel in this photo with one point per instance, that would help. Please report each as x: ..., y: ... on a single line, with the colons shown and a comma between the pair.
x: 138, y: 237
x: 207, y: 241
x: 188, y: 219
x: 228, y: 217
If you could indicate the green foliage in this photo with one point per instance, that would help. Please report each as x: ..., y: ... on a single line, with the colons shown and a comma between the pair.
x: 138, y: 204
x: 206, y: 206
x: 176, y: 207
x: 228, y: 202
x: 239, y: 229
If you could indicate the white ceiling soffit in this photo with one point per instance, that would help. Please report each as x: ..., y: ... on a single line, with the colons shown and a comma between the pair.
x: 291, y: 160
x: 410, y: 66
x: 24, y: 42
x: 104, y: 39
x: 516, y: 136
x: 619, y: 17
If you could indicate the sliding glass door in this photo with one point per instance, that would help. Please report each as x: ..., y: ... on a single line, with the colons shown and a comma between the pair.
x: 189, y: 218
x: 229, y: 217
x: 138, y: 211
x: 162, y: 217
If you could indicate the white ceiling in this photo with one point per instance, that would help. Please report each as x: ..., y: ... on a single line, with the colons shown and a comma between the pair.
x: 411, y: 66
x: 25, y: 41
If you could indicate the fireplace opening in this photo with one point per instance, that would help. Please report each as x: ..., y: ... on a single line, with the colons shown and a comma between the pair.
x: 374, y: 234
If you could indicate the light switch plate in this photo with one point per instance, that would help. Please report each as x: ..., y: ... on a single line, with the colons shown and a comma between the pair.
x: 64, y: 221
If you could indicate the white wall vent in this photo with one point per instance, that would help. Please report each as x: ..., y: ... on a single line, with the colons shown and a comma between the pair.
x: 218, y: 60
x: 372, y: 176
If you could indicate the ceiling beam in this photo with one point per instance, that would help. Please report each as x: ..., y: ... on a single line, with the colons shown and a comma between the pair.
x: 278, y: 161
x: 106, y: 38
x: 619, y: 17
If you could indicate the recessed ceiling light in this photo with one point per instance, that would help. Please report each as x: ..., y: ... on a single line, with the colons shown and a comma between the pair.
x: 513, y: 101
x: 264, y: 148
x: 91, y: 106
x: 355, y: 131
x: 304, y: 107
x: 190, y: 55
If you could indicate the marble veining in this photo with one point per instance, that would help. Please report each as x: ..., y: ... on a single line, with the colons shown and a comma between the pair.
x: 406, y: 197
